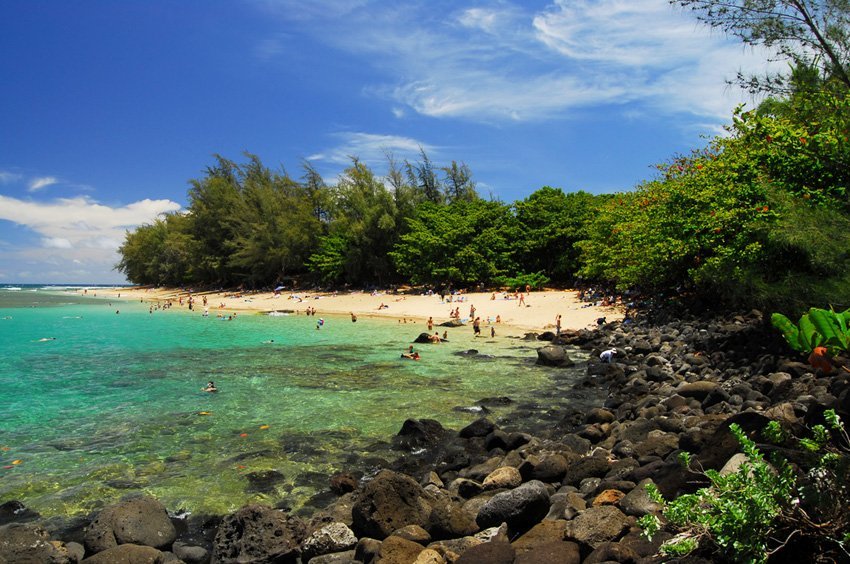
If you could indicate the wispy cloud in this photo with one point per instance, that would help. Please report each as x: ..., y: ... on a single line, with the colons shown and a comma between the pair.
x: 37, y: 184
x: 371, y: 149
x: 7, y: 177
x: 499, y: 60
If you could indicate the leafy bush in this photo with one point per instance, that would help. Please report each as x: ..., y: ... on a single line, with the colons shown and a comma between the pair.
x: 535, y: 279
x: 744, y: 513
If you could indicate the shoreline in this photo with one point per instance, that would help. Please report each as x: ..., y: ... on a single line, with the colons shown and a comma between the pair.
x: 576, y: 487
x: 498, y: 309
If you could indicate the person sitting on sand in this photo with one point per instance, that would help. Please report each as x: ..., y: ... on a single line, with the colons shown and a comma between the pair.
x: 210, y: 387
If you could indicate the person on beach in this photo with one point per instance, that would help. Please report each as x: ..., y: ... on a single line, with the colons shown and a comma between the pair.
x: 353, y: 317
x: 558, y: 325
x: 476, y: 327
x: 445, y: 335
x: 608, y: 355
x: 319, y: 323
x: 435, y: 338
x: 521, y: 300
x: 430, y: 323
x: 492, y: 332
x: 210, y: 387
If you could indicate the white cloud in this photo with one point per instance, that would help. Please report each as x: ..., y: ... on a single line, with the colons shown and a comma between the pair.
x: 42, y: 182
x: 371, y: 149
x: 56, y: 243
x: 76, y: 231
x: 501, y: 61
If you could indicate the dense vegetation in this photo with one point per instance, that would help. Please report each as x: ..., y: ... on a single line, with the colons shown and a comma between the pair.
x: 760, y: 216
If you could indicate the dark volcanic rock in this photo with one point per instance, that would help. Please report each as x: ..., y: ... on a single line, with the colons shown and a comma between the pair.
x: 264, y: 481
x: 387, y: 503
x: 612, y: 552
x: 417, y: 433
x: 140, y: 520
x: 423, y: 338
x: 588, y: 467
x: 495, y: 552
x: 520, y: 508
x: 16, y: 512
x: 597, y: 525
x: 553, y: 468
x: 478, y: 428
x: 28, y: 542
x: 553, y: 355
x: 343, y: 483
x: 258, y: 533
x: 555, y: 552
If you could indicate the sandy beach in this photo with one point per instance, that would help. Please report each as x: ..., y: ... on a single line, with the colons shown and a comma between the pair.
x: 537, y: 313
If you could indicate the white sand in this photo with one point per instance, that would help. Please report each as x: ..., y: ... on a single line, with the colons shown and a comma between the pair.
x: 538, y: 312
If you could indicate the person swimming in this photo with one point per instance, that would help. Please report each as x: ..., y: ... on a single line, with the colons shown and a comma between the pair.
x: 411, y: 354
x: 210, y: 387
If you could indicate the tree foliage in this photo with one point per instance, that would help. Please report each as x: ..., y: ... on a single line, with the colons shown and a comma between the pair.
x: 807, y: 34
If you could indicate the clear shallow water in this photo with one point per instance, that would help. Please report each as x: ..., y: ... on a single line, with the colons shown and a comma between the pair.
x: 114, y: 404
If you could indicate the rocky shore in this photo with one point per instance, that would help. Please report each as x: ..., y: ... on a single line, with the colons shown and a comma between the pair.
x: 499, y: 492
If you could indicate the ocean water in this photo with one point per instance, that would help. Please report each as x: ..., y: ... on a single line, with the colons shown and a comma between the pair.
x: 100, y: 398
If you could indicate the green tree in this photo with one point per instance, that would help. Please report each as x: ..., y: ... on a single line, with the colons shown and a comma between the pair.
x: 363, y: 231
x: 423, y: 176
x: 808, y: 34
x: 465, y: 242
x: 550, y: 224
x: 458, y: 183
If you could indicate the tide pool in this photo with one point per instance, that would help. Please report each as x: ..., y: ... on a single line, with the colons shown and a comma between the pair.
x: 111, y: 403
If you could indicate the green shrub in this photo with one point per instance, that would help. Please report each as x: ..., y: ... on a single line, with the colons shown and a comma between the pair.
x: 746, y: 513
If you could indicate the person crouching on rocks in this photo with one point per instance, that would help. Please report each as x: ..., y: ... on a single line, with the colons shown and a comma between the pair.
x: 608, y: 355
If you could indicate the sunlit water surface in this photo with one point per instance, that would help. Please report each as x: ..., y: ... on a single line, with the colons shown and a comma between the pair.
x: 114, y: 404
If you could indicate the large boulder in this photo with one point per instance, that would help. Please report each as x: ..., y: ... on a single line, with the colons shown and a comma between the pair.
x: 520, y: 508
x: 450, y: 520
x: 597, y: 525
x: 417, y: 433
x: 139, y: 520
x: 390, y: 501
x: 260, y: 534
x: 28, y: 542
x: 553, y: 355
x: 422, y: 338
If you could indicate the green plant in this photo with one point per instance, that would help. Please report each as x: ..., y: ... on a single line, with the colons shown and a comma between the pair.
x: 817, y: 328
x: 744, y: 512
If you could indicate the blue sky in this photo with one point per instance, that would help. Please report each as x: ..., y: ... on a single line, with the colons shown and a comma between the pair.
x: 108, y: 108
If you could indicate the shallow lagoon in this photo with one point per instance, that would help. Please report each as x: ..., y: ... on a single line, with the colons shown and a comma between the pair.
x: 114, y: 403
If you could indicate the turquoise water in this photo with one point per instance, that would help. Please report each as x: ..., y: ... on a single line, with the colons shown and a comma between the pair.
x: 113, y: 402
